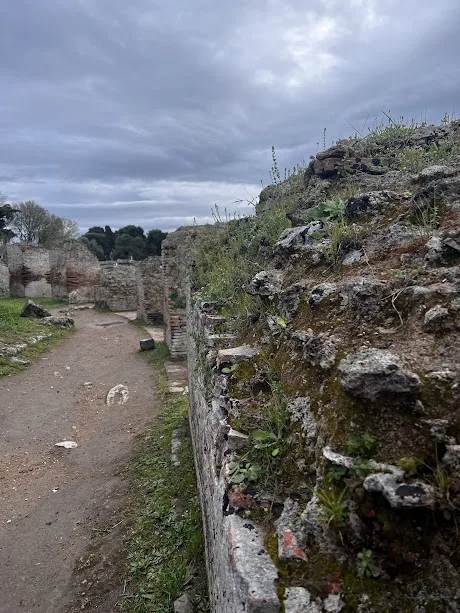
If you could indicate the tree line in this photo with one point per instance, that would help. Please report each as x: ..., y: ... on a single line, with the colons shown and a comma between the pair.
x: 29, y: 222
x: 123, y: 244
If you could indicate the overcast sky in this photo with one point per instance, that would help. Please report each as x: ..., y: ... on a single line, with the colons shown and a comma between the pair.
x: 149, y: 112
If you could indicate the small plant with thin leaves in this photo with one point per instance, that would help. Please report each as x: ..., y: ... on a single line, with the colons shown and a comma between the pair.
x: 366, y: 564
x: 333, y: 510
x: 329, y: 210
x: 275, y: 174
x: 229, y: 370
x: 427, y: 218
x: 263, y: 439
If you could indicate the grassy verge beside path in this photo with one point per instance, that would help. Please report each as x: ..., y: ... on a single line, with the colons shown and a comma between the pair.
x: 15, y: 329
x: 165, y: 543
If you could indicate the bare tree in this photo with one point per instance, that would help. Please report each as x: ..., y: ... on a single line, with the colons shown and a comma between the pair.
x: 34, y: 224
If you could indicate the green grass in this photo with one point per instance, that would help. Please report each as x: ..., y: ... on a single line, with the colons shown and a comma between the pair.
x: 15, y: 329
x: 165, y: 544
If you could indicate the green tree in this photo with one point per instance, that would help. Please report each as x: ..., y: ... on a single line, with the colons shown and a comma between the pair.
x: 127, y: 246
x: 132, y: 231
x: 154, y: 239
x: 93, y: 246
x: 109, y: 241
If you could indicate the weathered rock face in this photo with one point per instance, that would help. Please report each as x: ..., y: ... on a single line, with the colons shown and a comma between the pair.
x: 31, y: 309
x: 342, y: 430
x: 266, y: 283
x: 301, y: 239
x: 371, y: 373
x: 401, y: 495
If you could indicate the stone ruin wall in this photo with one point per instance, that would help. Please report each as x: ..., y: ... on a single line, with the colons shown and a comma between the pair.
x: 118, y: 287
x: 70, y: 272
x: 4, y: 274
x: 4, y: 280
x: 363, y: 343
x: 241, y: 574
x: 176, y: 254
x: 149, y: 281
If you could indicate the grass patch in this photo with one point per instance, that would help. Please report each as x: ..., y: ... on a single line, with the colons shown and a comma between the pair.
x: 226, y: 260
x: 165, y: 543
x: 15, y: 329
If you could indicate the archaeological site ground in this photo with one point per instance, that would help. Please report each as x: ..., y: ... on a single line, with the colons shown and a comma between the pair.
x: 296, y: 429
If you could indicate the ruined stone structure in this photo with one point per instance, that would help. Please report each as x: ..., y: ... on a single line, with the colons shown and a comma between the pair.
x: 326, y: 418
x: 241, y: 574
x: 149, y: 280
x: 68, y: 272
x: 118, y: 287
x: 177, y: 255
x: 4, y: 279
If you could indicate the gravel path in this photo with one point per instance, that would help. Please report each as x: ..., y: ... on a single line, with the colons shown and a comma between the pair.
x: 50, y: 497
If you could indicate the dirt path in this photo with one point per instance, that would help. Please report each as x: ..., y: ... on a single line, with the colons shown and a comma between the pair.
x: 50, y: 498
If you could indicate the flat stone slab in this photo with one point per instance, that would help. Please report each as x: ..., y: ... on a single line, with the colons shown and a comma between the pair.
x: 131, y: 315
x: 157, y: 333
x: 177, y: 375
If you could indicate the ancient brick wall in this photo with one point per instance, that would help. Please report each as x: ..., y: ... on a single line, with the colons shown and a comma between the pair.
x: 82, y: 273
x: 149, y: 278
x: 177, y: 256
x: 30, y: 271
x: 118, y: 288
x: 68, y: 272
x: 241, y: 575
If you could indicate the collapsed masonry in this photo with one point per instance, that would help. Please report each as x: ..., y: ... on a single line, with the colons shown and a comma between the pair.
x: 326, y: 418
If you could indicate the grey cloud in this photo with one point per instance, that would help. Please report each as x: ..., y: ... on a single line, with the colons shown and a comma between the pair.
x: 111, y: 93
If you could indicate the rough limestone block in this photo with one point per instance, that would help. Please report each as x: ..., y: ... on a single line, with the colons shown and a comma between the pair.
x: 401, y: 495
x: 369, y: 373
x: 34, y: 310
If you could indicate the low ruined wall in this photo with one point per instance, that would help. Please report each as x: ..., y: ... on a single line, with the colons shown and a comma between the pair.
x: 241, y: 574
x: 118, y: 288
x: 4, y: 280
x: 149, y: 280
x: 69, y: 272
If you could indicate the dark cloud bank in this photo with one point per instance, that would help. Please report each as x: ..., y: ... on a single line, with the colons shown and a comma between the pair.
x: 149, y: 112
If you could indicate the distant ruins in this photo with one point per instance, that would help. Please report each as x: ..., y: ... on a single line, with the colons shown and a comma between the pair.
x: 151, y: 287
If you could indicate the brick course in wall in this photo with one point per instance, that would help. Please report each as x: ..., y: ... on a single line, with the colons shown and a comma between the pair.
x: 68, y: 272
x: 241, y: 575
